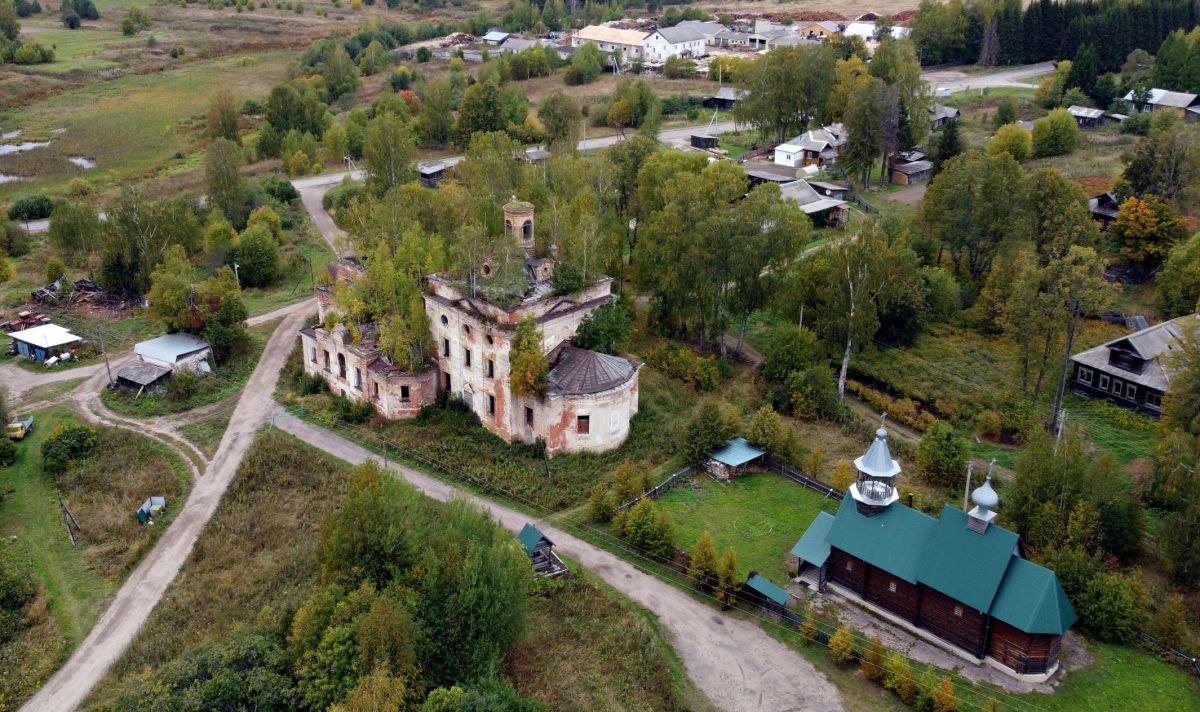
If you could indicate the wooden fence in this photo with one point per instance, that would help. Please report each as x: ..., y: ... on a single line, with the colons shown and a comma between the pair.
x: 1180, y: 657
x: 655, y: 491
x: 867, y: 207
x: 804, y: 480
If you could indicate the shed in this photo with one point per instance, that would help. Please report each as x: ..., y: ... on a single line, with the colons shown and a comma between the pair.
x: 42, y: 342
x: 431, y: 172
x: 176, y: 351
x: 541, y: 552
x: 725, y: 98
x: 151, y: 508
x: 704, y: 142
x: 915, y: 172
x: 536, y: 154
x: 141, y: 375
x: 733, y: 459
x: 766, y: 595
x: 495, y: 37
x: 813, y: 550
x: 1086, y: 117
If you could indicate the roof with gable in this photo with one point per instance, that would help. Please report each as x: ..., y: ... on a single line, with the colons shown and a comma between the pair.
x: 738, y: 451
x: 680, y: 34
x: 892, y: 540
x: 705, y: 28
x: 965, y: 565
x: 768, y: 589
x: 169, y: 348
x: 576, y: 371
x: 1162, y: 97
x: 1084, y: 112
x: 913, y: 168
x: 809, y: 200
x: 730, y: 94
x: 1031, y: 599
x: 812, y: 546
x: 612, y: 35
x: 46, y: 336
x: 530, y: 537
x: 1148, y: 344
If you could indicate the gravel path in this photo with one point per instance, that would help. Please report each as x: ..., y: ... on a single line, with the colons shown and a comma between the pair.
x: 739, y: 666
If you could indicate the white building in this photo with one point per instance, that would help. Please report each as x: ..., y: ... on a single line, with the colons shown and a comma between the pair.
x: 175, y: 352
x: 630, y: 43
x: 678, y: 41
x: 709, y: 30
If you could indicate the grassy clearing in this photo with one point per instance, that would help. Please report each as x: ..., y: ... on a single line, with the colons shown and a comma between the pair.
x: 87, y: 49
x: 611, y: 650
x: 297, y: 284
x: 206, y: 433
x: 761, y: 516
x: 78, y: 581
x: 50, y: 391
x: 223, y: 383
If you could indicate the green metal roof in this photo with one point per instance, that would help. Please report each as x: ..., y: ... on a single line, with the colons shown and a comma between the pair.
x: 529, y: 538
x: 965, y: 565
x: 893, y: 540
x: 1032, y: 600
x: 738, y: 451
x: 812, y: 547
x: 768, y: 589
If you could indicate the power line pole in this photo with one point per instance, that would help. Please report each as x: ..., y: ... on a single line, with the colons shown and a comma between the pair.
x: 107, y: 367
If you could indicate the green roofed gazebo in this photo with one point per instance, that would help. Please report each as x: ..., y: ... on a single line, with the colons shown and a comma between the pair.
x: 765, y: 594
x: 541, y: 552
x: 732, y: 460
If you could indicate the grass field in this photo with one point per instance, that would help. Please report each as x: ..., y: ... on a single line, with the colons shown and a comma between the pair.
x: 77, y: 581
x: 51, y: 391
x: 87, y: 49
x: 761, y: 516
x: 206, y: 433
x: 1121, y: 678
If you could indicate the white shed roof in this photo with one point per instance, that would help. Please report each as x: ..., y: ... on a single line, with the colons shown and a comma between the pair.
x: 47, y: 336
x: 169, y: 348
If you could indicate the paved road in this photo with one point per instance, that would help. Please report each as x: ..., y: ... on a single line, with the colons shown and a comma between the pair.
x: 739, y: 667
x: 956, y: 81
x: 146, y: 585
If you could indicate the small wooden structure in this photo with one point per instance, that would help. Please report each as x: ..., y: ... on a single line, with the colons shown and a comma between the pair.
x: 1105, y: 208
x: 541, y: 552
x: 1086, y: 117
x: 431, y: 172
x: 909, y: 173
x: 762, y: 593
x: 704, y: 142
x: 732, y: 460
x: 813, y: 550
x: 42, y: 342
x: 151, y: 508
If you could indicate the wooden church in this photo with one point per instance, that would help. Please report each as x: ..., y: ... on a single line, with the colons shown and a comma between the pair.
x: 959, y: 578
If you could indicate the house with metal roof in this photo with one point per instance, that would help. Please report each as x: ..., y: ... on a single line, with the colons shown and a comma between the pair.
x: 682, y: 41
x: 630, y: 43
x: 725, y: 98
x: 732, y: 459
x: 43, y: 342
x: 178, y: 351
x: 940, y: 115
x: 1133, y: 371
x: 1086, y: 117
x: 821, y: 209
x: 959, y: 580
x: 818, y: 147
x: 1163, y: 100
x: 1104, y: 208
x: 912, y: 172
x: 708, y: 30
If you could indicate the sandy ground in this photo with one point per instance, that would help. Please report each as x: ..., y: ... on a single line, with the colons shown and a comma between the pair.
x: 734, y: 662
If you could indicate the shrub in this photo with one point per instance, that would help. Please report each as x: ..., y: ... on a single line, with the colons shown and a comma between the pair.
x: 8, y: 452
x: 1014, y: 140
x: 703, y: 569
x: 1169, y: 623
x: 354, y: 412
x: 648, y: 528
x: 31, y: 207
x: 792, y: 348
x: 1055, y: 134
x: 898, y: 677
x: 17, y: 589
x: 812, y: 394
x: 424, y: 54
x: 941, y: 456
x: 872, y: 662
x: 71, y: 21
x: 943, y: 696
x: 183, y: 384
x: 902, y: 410
x: 841, y: 646
x: 600, y: 504
x: 1111, y: 607
x: 257, y: 257
x: 699, y: 372
x: 55, y: 269
x: 727, y: 578
x: 66, y: 446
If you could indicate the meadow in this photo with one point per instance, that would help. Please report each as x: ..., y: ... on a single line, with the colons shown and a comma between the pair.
x: 77, y: 582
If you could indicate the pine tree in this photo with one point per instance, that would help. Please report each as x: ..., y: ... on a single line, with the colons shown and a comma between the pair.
x: 949, y: 145
x: 703, y: 569
x: 727, y: 578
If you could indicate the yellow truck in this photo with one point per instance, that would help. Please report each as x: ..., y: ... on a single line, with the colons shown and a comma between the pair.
x: 19, y: 427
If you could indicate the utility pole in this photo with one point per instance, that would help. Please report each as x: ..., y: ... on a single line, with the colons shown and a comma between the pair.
x: 967, y: 491
x: 107, y: 367
x: 1060, y: 423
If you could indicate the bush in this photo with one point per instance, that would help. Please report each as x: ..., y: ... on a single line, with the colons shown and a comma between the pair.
x: 8, y: 452
x: 1055, y: 134
x: 1112, y: 607
x: 66, y: 446
x: 708, y: 430
x: 703, y: 569
x: 812, y: 394
x: 792, y: 348
x: 71, y: 21
x: 354, y: 412
x: 898, y: 677
x: 902, y: 410
x: 648, y: 528
x: 31, y: 207
x: 183, y: 384
x: 55, y: 269
x: 257, y: 257
x: 943, y: 696
x: 17, y: 589
x: 605, y: 330
x: 841, y: 646
x: 872, y: 662
x: 1014, y: 140
x: 942, y: 456
x: 699, y: 372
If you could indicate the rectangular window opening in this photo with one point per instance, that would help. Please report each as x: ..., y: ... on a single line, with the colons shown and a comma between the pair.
x: 446, y: 348
x: 529, y: 416
x: 583, y: 424
x: 403, y: 393
x: 467, y: 357
x: 491, y: 405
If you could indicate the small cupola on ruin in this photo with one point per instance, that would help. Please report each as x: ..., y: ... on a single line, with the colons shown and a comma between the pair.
x: 518, y: 223
x: 982, y: 514
x: 875, y: 487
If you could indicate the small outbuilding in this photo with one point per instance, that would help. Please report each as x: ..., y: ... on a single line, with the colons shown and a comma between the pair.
x: 175, y: 352
x: 764, y: 594
x: 541, y: 552
x: 1105, y: 208
x: 495, y: 37
x: 141, y: 375
x: 1086, y: 117
x: 704, y: 142
x: 725, y: 98
x: 151, y: 508
x: 431, y: 173
x: 909, y: 173
x: 732, y: 460
x: 43, y: 342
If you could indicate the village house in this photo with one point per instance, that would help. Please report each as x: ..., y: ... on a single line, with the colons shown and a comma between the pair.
x: 732, y: 39
x: 43, y: 342
x: 677, y: 41
x: 823, y: 210
x: 909, y: 172
x: 1133, y: 371
x: 940, y: 115
x: 959, y: 580
x: 818, y: 147
x: 1163, y: 100
x: 821, y: 29
x: 1104, y: 208
x: 591, y: 398
x: 725, y: 98
x: 630, y: 43
x: 1086, y: 117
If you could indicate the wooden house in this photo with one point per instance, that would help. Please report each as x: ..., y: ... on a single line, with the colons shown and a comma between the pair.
x: 431, y: 173
x: 725, y: 98
x: 1086, y: 117
x: 1163, y: 100
x: 914, y: 172
x: 541, y: 552
x: 1132, y: 371
x: 940, y: 115
x: 733, y: 460
x: 959, y: 580
x: 1104, y: 208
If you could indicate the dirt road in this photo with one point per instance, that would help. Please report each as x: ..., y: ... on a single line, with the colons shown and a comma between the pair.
x: 955, y: 81
x: 146, y: 585
x: 739, y: 667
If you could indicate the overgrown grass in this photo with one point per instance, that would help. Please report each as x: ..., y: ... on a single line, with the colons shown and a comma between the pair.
x: 225, y: 381
x: 50, y: 391
x: 760, y: 515
x: 78, y: 581
x: 589, y: 648
x: 206, y: 433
